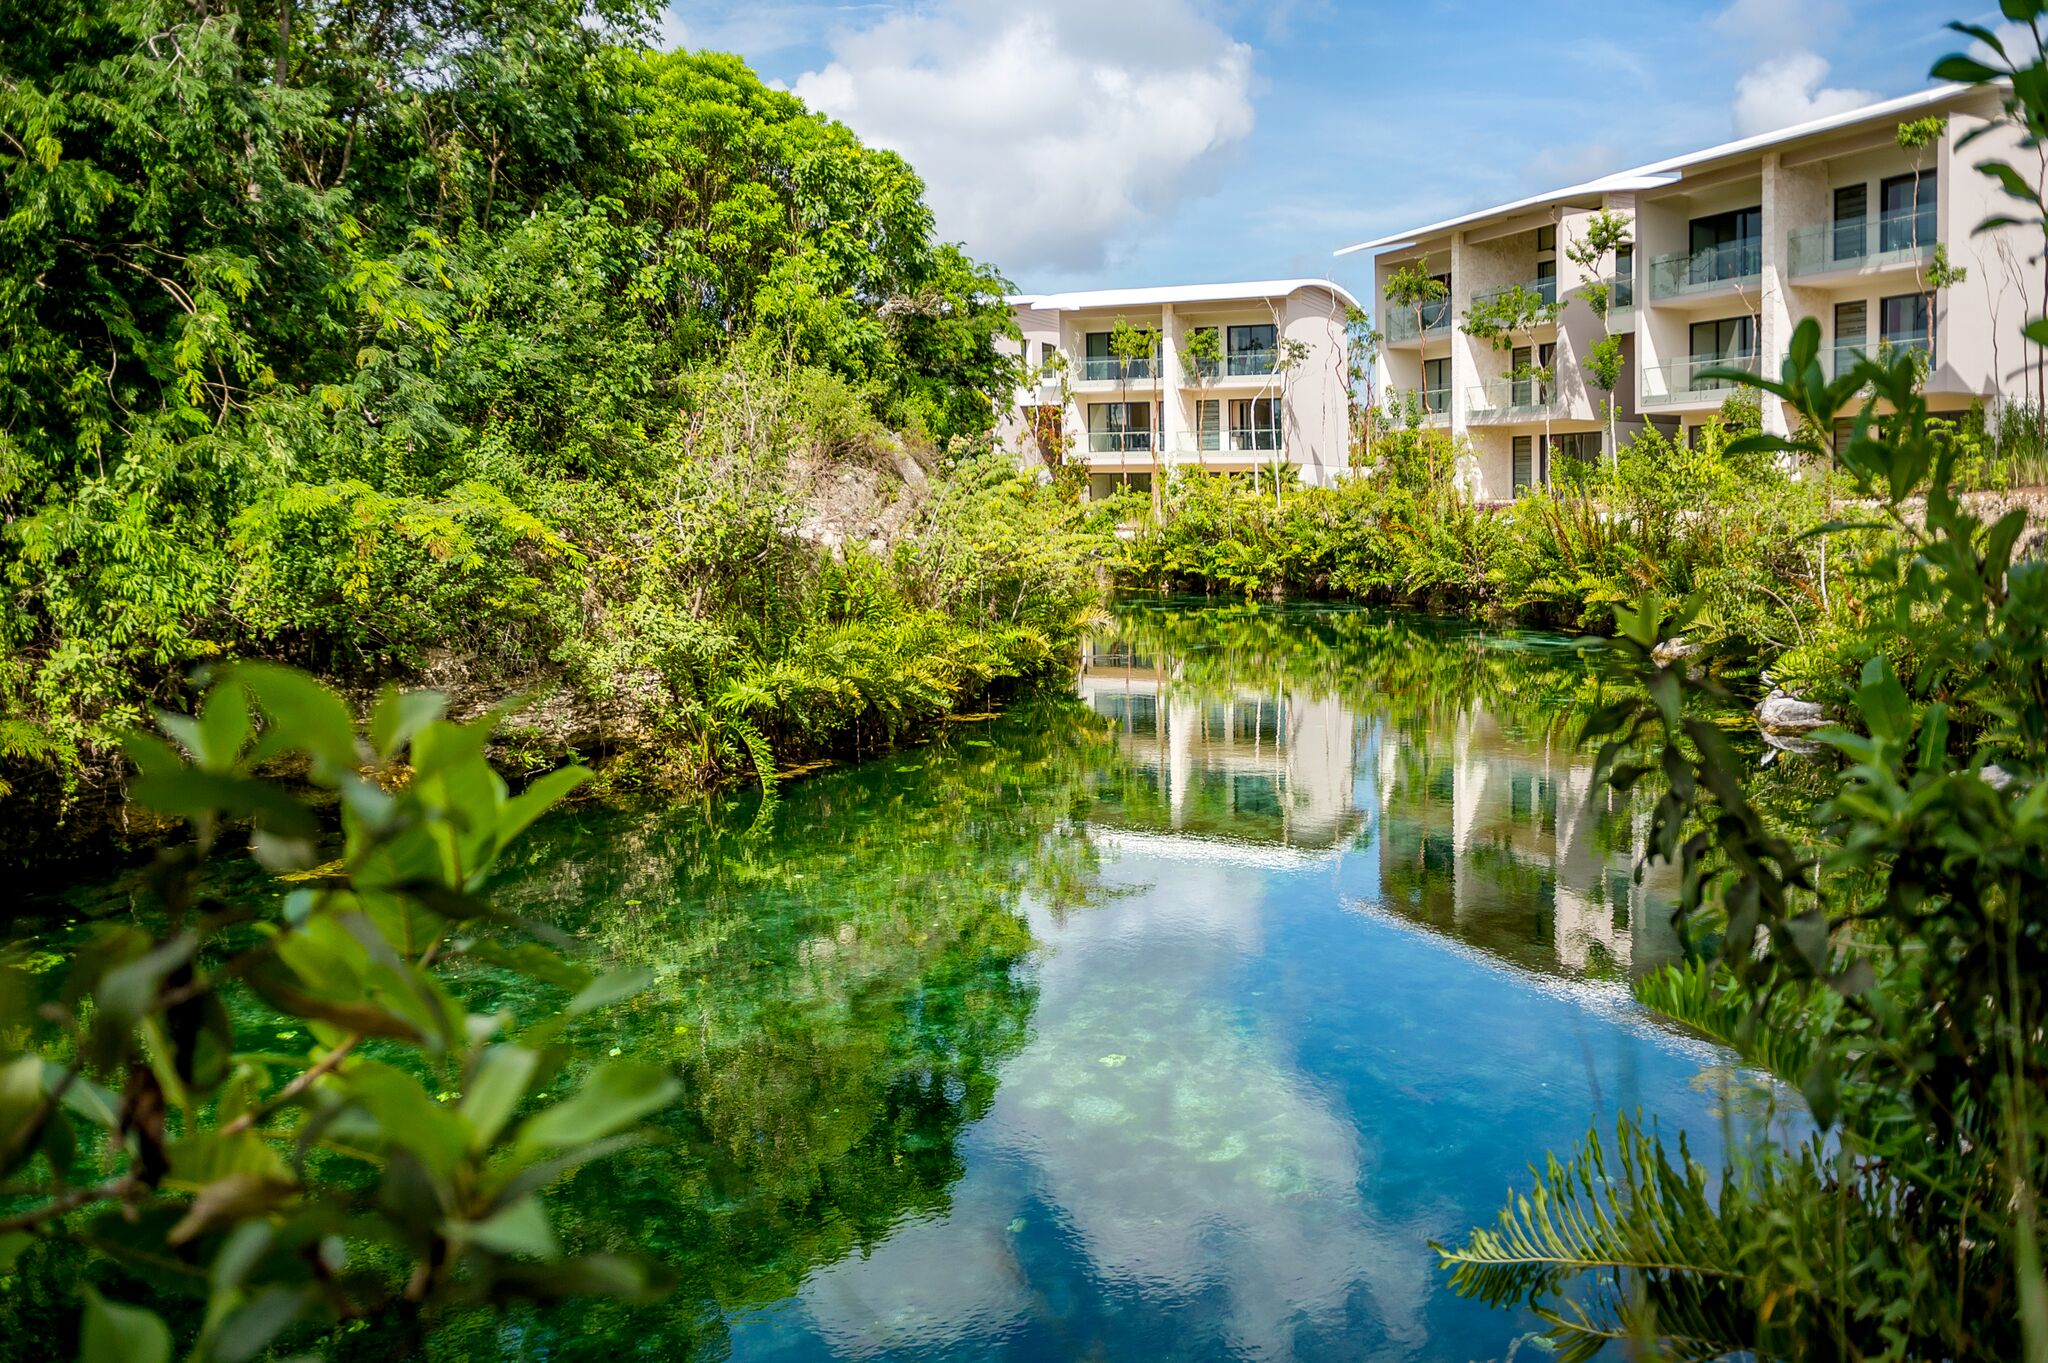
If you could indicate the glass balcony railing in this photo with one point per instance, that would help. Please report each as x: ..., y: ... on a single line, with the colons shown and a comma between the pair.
x: 1861, y: 243
x: 1623, y: 298
x: 1436, y: 320
x: 1684, y: 380
x: 1119, y: 442
x: 1252, y: 438
x: 1507, y: 399
x: 1712, y: 267
x: 1241, y: 362
x: 1545, y: 289
x: 1096, y: 368
x: 1843, y: 358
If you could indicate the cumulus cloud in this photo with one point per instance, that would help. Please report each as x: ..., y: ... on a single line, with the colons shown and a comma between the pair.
x: 1788, y: 89
x: 1044, y: 133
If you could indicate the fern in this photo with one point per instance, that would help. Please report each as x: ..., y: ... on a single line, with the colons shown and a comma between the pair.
x: 1782, y: 1037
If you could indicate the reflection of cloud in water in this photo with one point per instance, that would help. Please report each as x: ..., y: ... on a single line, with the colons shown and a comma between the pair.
x: 1183, y: 1154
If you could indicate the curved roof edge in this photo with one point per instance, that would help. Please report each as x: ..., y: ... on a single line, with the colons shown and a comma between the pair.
x: 1659, y: 173
x: 1177, y: 293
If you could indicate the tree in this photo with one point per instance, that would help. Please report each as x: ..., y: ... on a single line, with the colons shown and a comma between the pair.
x: 1604, y: 233
x: 1511, y: 315
x: 1201, y: 359
x: 1413, y: 287
x: 1289, y: 353
x: 1916, y: 136
x: 391, y: 1166
x: 1361, y: 371
x: 1133, y: 346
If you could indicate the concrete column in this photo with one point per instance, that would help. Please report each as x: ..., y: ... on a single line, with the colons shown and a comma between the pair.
x: 1775, y: 320
x: 1174, y: 435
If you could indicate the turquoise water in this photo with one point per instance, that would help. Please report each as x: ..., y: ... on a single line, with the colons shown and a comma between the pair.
x: 1167, y: 1020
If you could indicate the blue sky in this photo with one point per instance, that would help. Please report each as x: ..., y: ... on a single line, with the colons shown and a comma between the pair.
x: 1096, y: 143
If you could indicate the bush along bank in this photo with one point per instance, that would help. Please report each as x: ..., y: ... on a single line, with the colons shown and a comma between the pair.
x: 1690, y: 520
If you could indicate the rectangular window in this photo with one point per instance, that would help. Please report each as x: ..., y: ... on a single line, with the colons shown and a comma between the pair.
x: 1115, y: 427
x: 1436, y: 381
x: 1209, y: 423
x: 1577, y: 448
x: 1546, y: 239
x: 1906, y: 212
x: 1101, y: 362
x: 1852, y: 333
x: 1438, y: 314
x: 1524, y: 463
x: 1521, y: 388
x: 1726, y: 245
x: 1208, y: 368
x: 1852, y: 222
x: 1255, y: 424
x: 1546, y: 360
x: 1718, y: 344
x: 1250, y: 349
x: 1546, y: 280
x: 1624, y: 277
x: 1902, y: 323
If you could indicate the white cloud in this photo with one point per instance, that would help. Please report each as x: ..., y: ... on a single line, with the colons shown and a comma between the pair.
x: 1783, y: 90
x: 1048, y: 133
x: 1777, y: 25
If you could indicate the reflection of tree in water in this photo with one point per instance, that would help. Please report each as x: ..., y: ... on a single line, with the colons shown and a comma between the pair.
x: 838, y: 990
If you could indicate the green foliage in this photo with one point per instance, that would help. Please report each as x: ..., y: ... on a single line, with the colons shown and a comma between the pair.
x: 1888, y: 960
x: 314, y: 357
x: 391, y: 1168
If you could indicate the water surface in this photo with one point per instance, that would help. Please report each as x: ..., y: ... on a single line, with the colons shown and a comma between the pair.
x: 1167, y: 1020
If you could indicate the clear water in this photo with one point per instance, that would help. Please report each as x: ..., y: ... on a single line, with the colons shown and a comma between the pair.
x: 1168, y: 1021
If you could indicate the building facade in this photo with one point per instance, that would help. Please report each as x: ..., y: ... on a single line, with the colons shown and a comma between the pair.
x: 1268, y: 386
x: 1729, y: 250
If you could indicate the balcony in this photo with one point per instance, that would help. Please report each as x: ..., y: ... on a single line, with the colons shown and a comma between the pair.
x: 1109, y: 369
x: 1244, y: 363
x: 1545, y: 289
x: 1680, y: 381
x: 1621, y: 300
x: 1861, y: 243
x: 1119, y: 442
x: 1836, y: 362
x: 1706, y: 270
x: 1507, y: 400
x: 1436, y: 321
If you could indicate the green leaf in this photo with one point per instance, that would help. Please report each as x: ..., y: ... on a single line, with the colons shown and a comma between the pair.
x: 114, y: 1333
x: 502, y: 1077
x: 615, y: 987
x: 614, y: 1096
x: 305, y: 717
x: 399, y: 715
x: 537, y: 799
x: 520, y: 1229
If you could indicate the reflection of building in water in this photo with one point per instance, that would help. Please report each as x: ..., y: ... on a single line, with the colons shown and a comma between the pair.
x: 1252, y: 764
x: 1482, y: 827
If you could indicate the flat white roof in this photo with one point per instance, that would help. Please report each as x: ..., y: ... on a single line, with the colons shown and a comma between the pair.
x: 1175, y: 293
x: 1670, y: 170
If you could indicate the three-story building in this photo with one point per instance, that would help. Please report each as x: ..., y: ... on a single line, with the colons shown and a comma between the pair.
x: 1267, y: 387
x: 1729, y: 250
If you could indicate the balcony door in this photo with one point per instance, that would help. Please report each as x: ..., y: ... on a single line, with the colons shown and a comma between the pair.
x: 1727, y: 245
x: 1851, y: 233
x: 1255, y: 424
x: 1906, y: 212
x: 1728, y: 341
x: 1250, y: 349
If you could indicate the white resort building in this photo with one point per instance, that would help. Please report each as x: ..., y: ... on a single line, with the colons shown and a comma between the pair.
x: 1730, y: 249
x: 1266, y: 387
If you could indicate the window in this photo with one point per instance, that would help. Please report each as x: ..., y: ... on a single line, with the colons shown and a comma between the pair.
x: 1546, y: 239
x: 1624, y: 277
x: 1852, y: 332
x: 1546, y: 360
x: 1546, y: 280
x: 1101, y: 363
x: 1852, y: 222
x: 1726, y: 245
x: 1438, y: 314
x: 1718, y: 344
x: 1906, y: 212
x: 1255, y: 424
x: 1524, y: 475
x: 1436, y: 383
x: 1207, y: 368
x: 1576, y: 447
x: 1209, y: 423
x: 1902, y: 323
x: 1119, y: 426
x: 1250, y: 349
